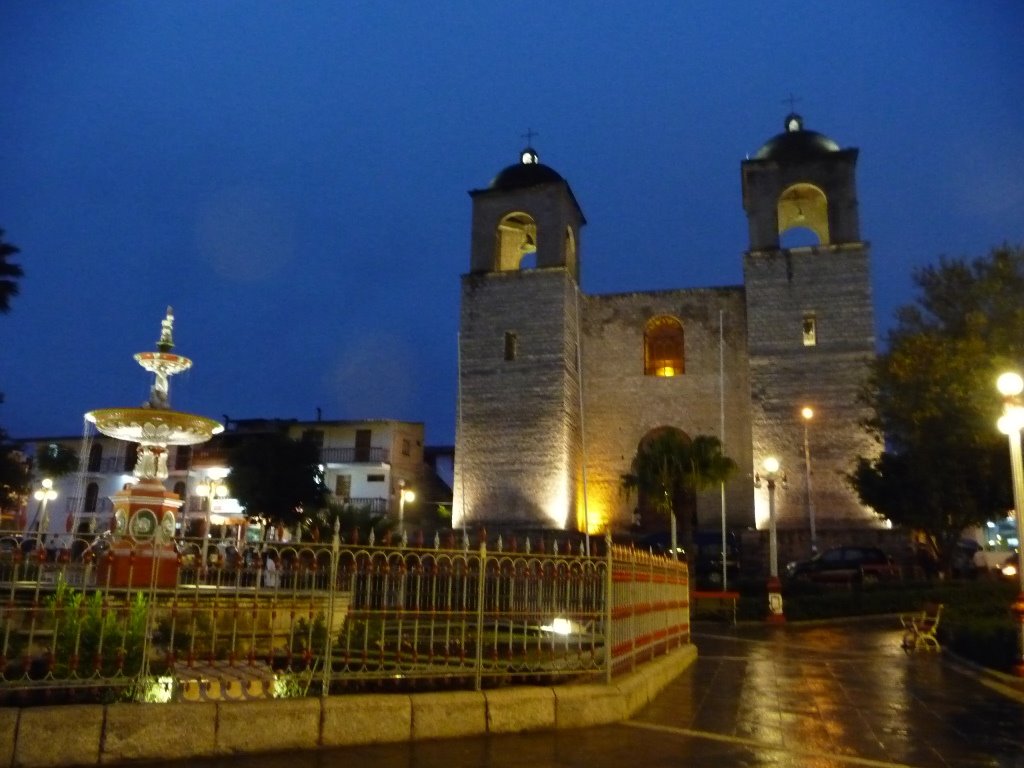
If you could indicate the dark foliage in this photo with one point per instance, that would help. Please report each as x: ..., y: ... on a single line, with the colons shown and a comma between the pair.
x: 945, y: 466
x: 275, y: 477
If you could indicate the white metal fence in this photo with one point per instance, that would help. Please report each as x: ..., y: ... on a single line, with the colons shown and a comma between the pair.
x: 319, y: 619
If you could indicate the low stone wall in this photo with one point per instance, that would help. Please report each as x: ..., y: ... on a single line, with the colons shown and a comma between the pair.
x: 53, y: 737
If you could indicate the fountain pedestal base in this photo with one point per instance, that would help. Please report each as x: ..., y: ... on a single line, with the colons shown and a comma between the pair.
x: 140, y: 566
x: 143, y: 553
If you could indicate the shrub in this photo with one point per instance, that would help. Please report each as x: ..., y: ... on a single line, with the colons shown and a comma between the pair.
x: 92, y: 635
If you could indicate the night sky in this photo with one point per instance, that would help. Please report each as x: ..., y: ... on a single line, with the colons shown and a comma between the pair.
x: 292, y: 176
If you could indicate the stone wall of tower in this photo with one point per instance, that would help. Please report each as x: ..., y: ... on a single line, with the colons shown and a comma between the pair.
x: 517, y: 443
x: 782, y: 286
x: 622, y: 404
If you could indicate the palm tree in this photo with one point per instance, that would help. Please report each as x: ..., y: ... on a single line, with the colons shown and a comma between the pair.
x: 9, y: 273
x: 670, y: 468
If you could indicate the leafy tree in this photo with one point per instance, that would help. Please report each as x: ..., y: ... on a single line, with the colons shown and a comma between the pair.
x: 57, y: 462
x: 9, y: 274
x: 276, y: 477
x: 945, y: 466
x: 670, y: 468
x: 14, y: 475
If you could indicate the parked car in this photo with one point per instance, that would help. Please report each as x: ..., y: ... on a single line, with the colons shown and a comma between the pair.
x: 964, y: 564
x: 706, y: 565
x: 845, y: 564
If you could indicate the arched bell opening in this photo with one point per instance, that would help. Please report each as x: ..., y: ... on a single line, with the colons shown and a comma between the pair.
x: 570, y: 251
x: 515, y: 239
x: 803, y: 216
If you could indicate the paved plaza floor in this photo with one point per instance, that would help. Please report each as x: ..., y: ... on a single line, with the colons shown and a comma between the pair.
x: 832, y: 695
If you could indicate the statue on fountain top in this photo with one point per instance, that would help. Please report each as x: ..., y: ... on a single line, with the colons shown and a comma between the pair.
x: 159, y: 393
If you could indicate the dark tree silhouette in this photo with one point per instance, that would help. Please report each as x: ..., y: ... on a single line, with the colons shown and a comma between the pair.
x: 9, y: 274
x: 933, y: 393
x: 276, y: 477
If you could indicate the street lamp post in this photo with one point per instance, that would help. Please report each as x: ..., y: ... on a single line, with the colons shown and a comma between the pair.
x: 405, y: 495
x: 1010, y: 386
x: 808, y: 413
x: 770, y: 465
x: 43, y: 495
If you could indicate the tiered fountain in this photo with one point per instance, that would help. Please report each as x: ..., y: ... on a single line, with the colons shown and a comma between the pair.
x: 142, y: 551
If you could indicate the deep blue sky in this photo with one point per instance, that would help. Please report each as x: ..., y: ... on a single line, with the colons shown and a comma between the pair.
x: 292, y: 176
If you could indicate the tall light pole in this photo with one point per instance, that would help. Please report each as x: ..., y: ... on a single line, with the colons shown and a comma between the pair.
x: 770, y: 465
x: 43, y: 495
x: 807, y: 413
x: 1010, y: 386
x: 209, y: 490
x: 404, y: 495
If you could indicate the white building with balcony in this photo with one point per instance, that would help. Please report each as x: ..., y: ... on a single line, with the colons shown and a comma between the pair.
x: 365, y: 464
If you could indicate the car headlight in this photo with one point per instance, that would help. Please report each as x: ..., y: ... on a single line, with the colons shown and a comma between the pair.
x: 1009, y: 570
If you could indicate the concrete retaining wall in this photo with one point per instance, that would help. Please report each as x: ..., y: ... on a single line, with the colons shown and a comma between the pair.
x: 53, y: 737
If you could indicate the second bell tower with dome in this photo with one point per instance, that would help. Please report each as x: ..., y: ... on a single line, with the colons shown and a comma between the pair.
x: 810, y: 316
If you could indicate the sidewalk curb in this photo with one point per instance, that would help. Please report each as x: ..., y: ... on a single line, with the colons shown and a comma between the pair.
x: 115, y: 734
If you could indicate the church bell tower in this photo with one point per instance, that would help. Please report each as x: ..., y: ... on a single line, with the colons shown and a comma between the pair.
x: 810, y: 324
x: 518, y: 444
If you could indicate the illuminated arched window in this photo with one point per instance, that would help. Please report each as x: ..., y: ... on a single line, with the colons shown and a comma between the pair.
x: 663, y: 347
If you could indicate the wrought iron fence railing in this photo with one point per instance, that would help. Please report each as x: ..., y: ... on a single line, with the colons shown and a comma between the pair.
x: 280, y: 619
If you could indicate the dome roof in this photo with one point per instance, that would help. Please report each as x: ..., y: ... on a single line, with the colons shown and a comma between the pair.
x: 528, y: 172
x: 795, y: 143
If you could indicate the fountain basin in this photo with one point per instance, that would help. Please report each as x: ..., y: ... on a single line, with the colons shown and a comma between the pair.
x: 154, y: 426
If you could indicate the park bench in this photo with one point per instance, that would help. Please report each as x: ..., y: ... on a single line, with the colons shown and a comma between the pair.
x: 717, y: 601
x: 919, y: 628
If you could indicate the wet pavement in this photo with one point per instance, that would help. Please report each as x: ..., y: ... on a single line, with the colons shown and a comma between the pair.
x: 841, y: 694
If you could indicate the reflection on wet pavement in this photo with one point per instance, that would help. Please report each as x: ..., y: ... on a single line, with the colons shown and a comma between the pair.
x: 843, y: 694
x: 792, y: 697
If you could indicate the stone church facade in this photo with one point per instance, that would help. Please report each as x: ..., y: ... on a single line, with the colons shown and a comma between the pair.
x: 558, y: 388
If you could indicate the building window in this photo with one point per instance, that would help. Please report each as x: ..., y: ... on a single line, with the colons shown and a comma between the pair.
x: 406, y: 447
x: 92, y: 495
x: 314, y: 437
x: 511, y: 345
x: 95, y: 457
x: 375, y: 478
x: 343, y: 487
x: 131, y: 456
x: 810, y: 330
x: 363, y: 440
x: 663, y: 347
x: 183, y: 457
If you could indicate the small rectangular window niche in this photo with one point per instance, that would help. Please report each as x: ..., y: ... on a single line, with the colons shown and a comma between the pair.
x: 810, y: 329
x: 511, y: 345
